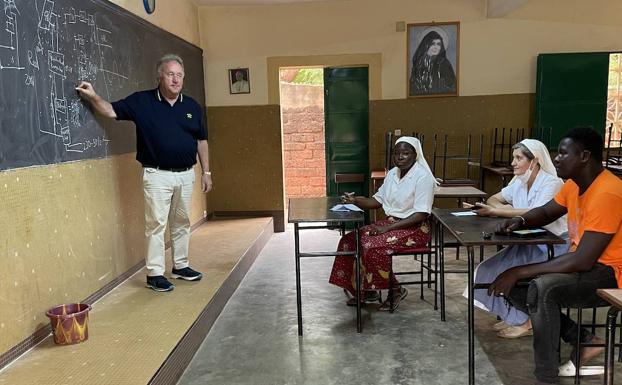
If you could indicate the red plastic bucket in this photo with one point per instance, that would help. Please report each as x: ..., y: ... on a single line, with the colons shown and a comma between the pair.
x: 70, y: 323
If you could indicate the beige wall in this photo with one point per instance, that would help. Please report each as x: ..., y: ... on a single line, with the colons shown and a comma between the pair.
x: 178, y: 17
x: 498, y: 56
x: 67, y: 230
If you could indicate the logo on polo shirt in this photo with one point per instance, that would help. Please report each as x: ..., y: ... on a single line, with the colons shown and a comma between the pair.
x: 189, y: 115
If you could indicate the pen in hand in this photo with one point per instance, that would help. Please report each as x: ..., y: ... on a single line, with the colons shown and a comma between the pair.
x: 348, y: 197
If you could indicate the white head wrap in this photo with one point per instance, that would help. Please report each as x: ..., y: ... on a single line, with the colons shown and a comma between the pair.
x: 420, y: 158
x: 539, y: 150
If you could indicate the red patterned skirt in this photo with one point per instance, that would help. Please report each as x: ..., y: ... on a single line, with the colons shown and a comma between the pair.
x: 375, y: 255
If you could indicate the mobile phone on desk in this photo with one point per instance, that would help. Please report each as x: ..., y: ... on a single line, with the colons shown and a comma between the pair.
x: 528, y: 233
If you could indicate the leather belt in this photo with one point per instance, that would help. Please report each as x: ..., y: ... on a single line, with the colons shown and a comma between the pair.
x: 173, y: 169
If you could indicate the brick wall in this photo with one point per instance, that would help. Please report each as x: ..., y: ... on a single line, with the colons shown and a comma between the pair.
x: 303, y: 140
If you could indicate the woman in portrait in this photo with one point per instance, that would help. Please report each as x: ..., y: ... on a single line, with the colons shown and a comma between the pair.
x: 406, y: 197
x: 432, y: 73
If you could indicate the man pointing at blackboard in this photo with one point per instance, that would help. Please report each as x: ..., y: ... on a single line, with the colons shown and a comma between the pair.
x: 169, y: 134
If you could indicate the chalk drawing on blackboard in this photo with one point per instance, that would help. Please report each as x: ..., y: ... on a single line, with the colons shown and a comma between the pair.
x: 49, y: 46
x: 9, y: 45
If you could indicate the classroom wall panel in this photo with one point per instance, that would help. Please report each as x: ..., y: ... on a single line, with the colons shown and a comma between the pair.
x: 456, y: 117
x: 247, y: 168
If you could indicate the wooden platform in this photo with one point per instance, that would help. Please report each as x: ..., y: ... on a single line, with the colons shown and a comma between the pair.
x: 135, y: 333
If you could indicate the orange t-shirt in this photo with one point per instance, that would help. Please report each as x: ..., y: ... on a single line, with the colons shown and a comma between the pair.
x: 599, y: 209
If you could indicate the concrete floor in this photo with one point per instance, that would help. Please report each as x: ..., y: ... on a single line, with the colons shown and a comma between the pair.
x: 255, y: 341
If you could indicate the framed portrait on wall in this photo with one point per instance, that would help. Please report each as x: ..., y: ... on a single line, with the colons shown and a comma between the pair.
x: 432, y: 59
x: 239, y: 81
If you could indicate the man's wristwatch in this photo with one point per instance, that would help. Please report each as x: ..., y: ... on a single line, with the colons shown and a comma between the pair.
x: 207, y: 173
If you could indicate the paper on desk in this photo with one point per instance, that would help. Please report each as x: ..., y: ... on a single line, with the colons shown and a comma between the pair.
x: 463, y: 213
x: 346, y: 207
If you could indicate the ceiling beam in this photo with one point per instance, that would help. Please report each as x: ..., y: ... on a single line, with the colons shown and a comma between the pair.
x: 500, y: 8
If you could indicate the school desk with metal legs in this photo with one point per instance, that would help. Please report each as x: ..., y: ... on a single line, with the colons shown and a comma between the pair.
x: 315, y: 213
x: 614, y: 297
x: 470, y: 231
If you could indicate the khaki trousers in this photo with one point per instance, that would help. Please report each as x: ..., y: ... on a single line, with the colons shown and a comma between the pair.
x: 167, y: 199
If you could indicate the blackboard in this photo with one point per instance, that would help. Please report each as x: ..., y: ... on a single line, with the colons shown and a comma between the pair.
x: 46, y: 47
x: 571, y: 91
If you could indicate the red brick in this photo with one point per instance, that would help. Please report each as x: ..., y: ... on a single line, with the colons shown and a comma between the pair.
x: 302, y: 172
x: 311, y: 126
x: 297, y: 137
x: 296, y: 181
x: 315, y: 163
x: 317, y: 146
x: 294, y: 146
x: 309, y: 191
x: 319, y: 154
x: 306, y: 154
x: 289, y: 128
x: 293, y: 163
x: 293, y: 190
x: 317, y: 181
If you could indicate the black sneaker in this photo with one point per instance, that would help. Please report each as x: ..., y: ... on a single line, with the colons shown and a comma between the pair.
x: 186, y: 273
x: 159, y: 283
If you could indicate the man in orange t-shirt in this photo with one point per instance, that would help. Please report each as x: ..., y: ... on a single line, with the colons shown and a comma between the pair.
x: 592, y: 198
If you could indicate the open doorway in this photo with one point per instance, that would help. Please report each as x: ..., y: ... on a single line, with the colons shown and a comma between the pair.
x: 302, y: 125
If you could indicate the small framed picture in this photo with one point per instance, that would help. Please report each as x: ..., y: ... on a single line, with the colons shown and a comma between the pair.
x: 239, y: 81
x: 432, y: 59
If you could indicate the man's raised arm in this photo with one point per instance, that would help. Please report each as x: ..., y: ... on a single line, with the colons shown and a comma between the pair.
x: 101, y: 106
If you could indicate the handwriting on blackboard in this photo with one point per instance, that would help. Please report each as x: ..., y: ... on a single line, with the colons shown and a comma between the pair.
x: 46, y: 48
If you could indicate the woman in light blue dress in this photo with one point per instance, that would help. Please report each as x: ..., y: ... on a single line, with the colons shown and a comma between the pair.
x: 535, y: 183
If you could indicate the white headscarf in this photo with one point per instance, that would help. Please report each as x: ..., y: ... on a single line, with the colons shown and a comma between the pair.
x: 539, y: 150
x: 420, y: 158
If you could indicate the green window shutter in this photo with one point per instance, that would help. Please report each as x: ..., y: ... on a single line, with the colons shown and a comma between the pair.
x: 571, y: 90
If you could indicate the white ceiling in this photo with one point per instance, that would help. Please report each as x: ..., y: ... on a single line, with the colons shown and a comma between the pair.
x: 253, y: 2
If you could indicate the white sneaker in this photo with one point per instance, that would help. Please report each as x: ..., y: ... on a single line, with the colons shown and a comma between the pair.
x: 568, y: 370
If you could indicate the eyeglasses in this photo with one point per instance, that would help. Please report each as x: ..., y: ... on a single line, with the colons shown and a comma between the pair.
x: 178, y: 75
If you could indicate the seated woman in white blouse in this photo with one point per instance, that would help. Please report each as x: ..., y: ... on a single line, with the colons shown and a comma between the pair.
x: 406, y: 196
x: 535, y: 183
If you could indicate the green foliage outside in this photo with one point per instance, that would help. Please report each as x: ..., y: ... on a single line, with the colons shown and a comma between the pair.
x: 614, y: 70
x: 313, y: 76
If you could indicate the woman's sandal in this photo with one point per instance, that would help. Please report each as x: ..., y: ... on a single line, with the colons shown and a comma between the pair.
x: 369, y: 296
x: 515, y: 332
x: 397, y: 298
x: 500, y: 326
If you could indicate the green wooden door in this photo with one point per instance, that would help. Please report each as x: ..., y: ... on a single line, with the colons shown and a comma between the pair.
x: 346, y: 112
x: 571, y: 90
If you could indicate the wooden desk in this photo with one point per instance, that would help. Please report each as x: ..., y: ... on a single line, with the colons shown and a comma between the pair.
x: 614, y: 297
x: 314, y: 211
x: 468, y: 232
x: 459, y: 192
x: 505, y: 172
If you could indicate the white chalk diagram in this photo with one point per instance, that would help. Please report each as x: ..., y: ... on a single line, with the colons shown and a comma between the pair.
x: 66, y: 33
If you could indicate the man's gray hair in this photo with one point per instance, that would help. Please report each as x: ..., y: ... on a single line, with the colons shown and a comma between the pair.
x: 167, y: 58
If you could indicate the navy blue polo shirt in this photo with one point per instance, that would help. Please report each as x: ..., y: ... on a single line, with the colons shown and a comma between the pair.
x: 166, y: 136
